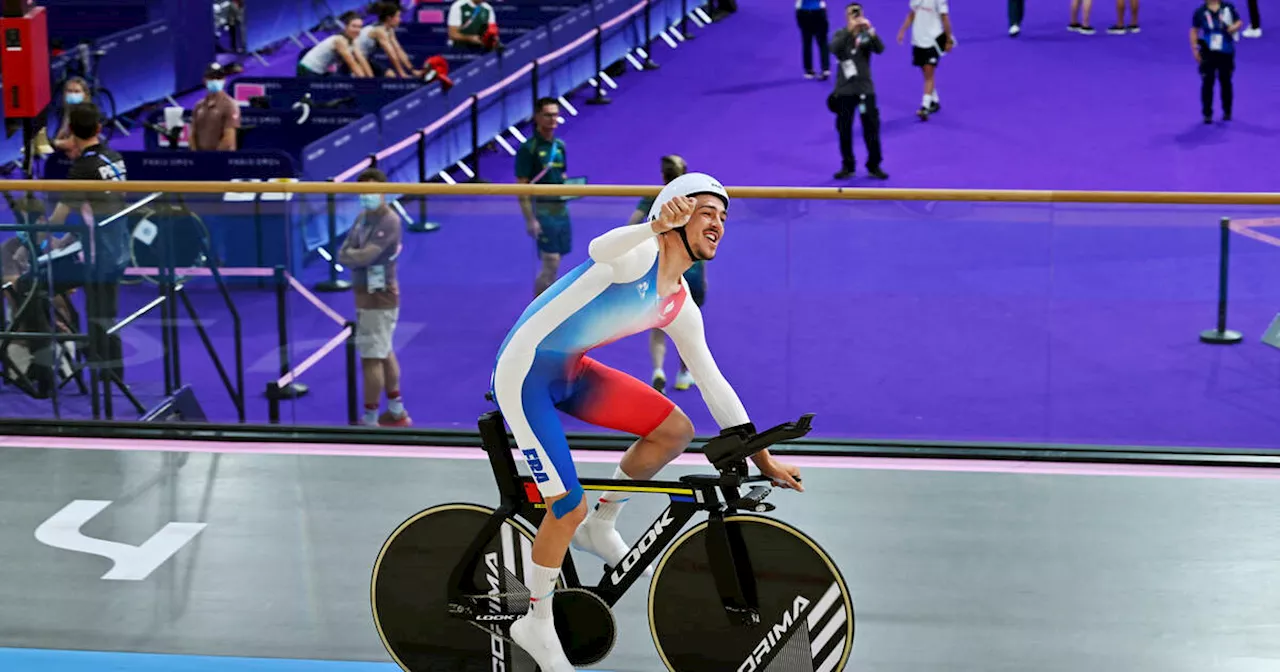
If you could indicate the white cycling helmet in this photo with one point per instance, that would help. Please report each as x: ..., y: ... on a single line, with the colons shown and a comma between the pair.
x: 689, y: 184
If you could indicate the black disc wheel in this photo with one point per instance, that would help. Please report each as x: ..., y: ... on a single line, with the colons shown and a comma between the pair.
x: 410, y: 592
x: 805, y: 613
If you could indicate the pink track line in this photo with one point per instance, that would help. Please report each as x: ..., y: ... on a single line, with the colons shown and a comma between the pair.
x: 1248, y: 232
x: 315, y: 357
x: 315, y: 300
x: 352, y: 171
x: 1256, y: 223
x: 611, y: 457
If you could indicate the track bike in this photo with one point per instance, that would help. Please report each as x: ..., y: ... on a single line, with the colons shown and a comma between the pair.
x: 738, y: 591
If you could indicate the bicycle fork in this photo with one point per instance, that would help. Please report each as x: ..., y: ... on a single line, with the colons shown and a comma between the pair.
x: 731, y: 568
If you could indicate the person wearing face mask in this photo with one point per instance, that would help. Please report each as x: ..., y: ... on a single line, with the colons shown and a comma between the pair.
x: 370, y: 251
x: 74, y: 92
x: 216, y: 117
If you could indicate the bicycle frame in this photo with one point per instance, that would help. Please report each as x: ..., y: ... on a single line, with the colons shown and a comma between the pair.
x: 519, y: 497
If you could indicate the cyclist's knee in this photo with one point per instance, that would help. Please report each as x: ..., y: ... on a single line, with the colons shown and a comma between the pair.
x: 571, y: 507
x: 676, y: 432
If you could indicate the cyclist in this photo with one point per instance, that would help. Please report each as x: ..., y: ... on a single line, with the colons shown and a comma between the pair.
x: 632, y: 282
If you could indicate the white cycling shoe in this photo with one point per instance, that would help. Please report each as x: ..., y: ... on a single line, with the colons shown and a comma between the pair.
x: 604, y: 542
x: 537, y: 636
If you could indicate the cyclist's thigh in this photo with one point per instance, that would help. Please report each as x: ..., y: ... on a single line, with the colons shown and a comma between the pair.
x: 609, y: 398
x: 527, y: 405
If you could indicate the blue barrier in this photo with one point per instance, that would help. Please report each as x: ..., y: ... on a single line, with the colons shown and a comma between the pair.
x: 128, y: 67
x: 75, y: 21
x: 367, y: 95
x: 245, y: 229
x: 265, y: 129
x: 269, y: 21
x: 490, y: 94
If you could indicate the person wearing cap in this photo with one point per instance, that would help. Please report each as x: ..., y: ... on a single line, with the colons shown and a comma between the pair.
x: 216, y: 117
x: 632, y: 282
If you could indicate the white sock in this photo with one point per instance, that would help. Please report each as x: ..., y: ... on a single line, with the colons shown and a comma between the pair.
x: 926, y: 100
x: 542, y: 586
x: 611, y: 502
x: 935, y: 95
x: 370, y: 416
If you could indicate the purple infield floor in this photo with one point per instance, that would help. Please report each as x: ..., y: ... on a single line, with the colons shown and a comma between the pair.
x: 921, y: 321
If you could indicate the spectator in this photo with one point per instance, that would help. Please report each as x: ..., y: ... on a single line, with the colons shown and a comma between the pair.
x: 1120, y: 28
x: 74, y: 92
x: 931, y: 37
x: 541, y: 160
x: 1017, y: 10
x: 383, y: 34
x: 1255, y: 21
x: 811, y: 15
x: 855, y: 92
x: 1213, y: 29
x: 469, y: 22
x: 1077, y: 24
x: 216, y: 117
x: 109, y: 243
x: 673, y: 166
x: 370, y: 250
x: 336, y: 50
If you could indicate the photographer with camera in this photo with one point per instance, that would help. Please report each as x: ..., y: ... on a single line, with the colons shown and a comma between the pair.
x: 855, y: 93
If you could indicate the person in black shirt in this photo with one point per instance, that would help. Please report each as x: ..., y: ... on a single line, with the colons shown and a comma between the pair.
x: 855, y: 93
x: 106, y: 252
x: 1213, y: 29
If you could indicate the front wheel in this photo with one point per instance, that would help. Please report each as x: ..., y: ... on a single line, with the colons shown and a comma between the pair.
x: 806, y: 614
x: 411, y: 586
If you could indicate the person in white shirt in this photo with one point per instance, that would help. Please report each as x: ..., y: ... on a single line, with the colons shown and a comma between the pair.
x: 337, y: 50
x: 383, y: 35
x: 931, y: 37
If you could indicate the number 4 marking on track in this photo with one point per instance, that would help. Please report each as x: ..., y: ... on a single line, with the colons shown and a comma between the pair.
x: 132, y: 563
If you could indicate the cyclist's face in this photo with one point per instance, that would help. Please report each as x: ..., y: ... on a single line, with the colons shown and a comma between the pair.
x: 705, y: 229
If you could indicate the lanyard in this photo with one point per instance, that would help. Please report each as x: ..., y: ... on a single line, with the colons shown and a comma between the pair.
x: 551, y: 159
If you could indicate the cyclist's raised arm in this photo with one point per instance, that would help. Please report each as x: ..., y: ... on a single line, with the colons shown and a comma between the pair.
x: 686, y: 331
x: 611, y: 245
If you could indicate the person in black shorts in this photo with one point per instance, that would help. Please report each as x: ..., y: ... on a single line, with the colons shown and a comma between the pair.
x: 931, y: 37
x: 109, y: 243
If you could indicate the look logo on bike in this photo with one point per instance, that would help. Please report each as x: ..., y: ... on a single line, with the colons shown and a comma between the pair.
x: 631, y: 283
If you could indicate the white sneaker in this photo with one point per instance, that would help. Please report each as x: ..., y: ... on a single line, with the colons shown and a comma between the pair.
x: 1253, y: 32
x: 603, y: 541
x: 537, y: 636
x: 684, y: 380
x: 1014, y: 30
x: 660, y: 380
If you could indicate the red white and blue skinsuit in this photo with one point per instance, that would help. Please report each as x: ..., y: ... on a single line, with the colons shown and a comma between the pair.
x: 542, y: 365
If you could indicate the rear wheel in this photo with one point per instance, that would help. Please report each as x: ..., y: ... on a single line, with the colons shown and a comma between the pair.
x: 806, y: 614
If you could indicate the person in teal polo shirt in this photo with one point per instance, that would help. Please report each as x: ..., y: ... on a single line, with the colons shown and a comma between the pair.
x: 541, y: 160
x: 673, y: 166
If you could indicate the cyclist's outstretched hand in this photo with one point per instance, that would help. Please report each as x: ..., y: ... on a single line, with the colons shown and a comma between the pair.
x: 782, y: 474
x: 675, y: 213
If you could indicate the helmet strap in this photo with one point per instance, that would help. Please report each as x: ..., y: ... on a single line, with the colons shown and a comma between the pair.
x: 684, y: 238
